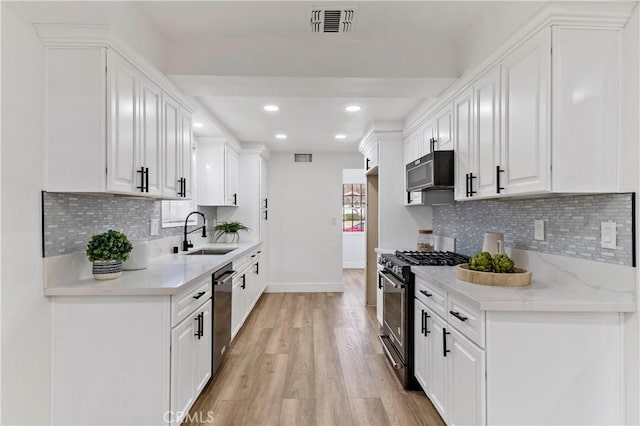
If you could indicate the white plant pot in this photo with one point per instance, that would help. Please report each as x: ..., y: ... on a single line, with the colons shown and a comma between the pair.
x: 107, y: 270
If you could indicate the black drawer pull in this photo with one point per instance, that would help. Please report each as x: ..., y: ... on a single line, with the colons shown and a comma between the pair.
x: 423, y: 327
x: 426, y: 293
x: 457, y: 315
x: 199, y: 295
x: 444, y: 342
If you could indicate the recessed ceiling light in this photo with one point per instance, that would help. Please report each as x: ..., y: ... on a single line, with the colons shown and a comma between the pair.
x: 198, y: 125
x: 341, y: 136
x: 271, y: 108
x: 281, y: 136
x: 353, y: 108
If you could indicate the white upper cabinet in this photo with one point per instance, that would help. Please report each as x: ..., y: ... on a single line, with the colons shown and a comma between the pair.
x: 111, y: 128
x: 123, y: 134
x: 218, y: 173
x: 486, y: 113
x: 370, y: 152
x: 151, y: 135
x: 443, y: 128
x: 541, y: 116
x: 526, y: 84
x: 465, y: 165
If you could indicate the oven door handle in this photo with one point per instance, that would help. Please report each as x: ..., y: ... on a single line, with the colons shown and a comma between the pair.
x: 392, y: 280
x: 395, y: 363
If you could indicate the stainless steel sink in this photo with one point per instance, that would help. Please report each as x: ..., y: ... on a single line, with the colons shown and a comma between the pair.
x: 210, y: 252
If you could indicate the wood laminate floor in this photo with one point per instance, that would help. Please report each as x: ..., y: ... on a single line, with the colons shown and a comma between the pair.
x: 310, y: 359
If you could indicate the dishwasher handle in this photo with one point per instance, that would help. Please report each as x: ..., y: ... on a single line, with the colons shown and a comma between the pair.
x: 224, y: 277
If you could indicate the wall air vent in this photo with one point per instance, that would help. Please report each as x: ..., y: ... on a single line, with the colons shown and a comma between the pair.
x: 302, y: 158
x: 332, y: 20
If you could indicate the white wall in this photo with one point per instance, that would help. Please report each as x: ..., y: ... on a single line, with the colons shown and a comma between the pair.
x: 353, y: 243
x: 305, y: 227
x: 26, y: 338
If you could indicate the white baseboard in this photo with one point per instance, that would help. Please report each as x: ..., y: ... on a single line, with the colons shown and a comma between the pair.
x: 304, y: 288
x: 353, y: 265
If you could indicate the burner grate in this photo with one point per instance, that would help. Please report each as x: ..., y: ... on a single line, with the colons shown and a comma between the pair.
x: 432, y: 258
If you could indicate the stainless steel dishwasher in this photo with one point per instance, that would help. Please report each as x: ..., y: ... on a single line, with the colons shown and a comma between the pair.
x: 222, y: 287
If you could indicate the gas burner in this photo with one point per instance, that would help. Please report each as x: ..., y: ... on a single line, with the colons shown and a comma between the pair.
x: 432, y: 258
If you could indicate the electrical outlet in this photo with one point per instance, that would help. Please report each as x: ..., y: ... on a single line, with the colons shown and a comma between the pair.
x: 608, y: 235
x: 538, y: 232
x: 155, y: 227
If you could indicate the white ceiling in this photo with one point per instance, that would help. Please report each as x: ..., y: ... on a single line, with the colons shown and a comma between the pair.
x: 235, y: 56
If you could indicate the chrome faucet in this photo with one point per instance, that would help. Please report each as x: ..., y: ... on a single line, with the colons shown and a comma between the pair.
x: 186, y: 245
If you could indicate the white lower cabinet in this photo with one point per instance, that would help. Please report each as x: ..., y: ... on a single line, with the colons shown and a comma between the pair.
x: 248, y: 285
x: 450, y: 368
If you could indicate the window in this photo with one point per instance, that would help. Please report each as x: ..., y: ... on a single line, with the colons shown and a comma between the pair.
x: 353, y: 206
x: 175, y: 212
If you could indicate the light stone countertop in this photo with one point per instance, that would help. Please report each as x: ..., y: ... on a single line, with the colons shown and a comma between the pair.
x: 560, y: 284
x: 165, y: 275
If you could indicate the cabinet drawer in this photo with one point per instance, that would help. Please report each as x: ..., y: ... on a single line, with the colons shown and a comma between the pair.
x: 182, y: 304
x: 467, y: 320
x: 432, y: 296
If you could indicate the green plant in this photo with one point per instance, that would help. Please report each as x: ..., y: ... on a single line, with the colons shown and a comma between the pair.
x: 227, y: 228
x: 112, y: 245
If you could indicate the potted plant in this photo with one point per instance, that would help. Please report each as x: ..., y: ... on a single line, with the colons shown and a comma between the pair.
x: 228, y: 230
x: 107, y: 252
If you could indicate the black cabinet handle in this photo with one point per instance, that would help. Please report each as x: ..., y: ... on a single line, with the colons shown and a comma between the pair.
x: 498, y: 187
x: 423, y: 328
x: 444, y: 342
x: 408, y: 197
x: 199, y: 295
x: 141, y: 187
x: 235, y: 199
x: 266, y: 215
x: 367, y: 166
x: 457, y: 315
x: 180, y: 190
x: 184, y: 187
x: 471, y: 178
x: 433, y: 141
x: 244, y: 282
x: 198, y: 332
x: 466, y: 177
x: 257, y: 268
x: 426, y: 324
x: 426, y: 293
x: 201, y: 324
x: 380, y: 282
x: 146, y: 179
x: 266, y: 203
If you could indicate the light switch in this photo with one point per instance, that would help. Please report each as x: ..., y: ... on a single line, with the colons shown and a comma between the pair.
x: 608, y: 235
x: 538, y: 233
x: 155, y: 227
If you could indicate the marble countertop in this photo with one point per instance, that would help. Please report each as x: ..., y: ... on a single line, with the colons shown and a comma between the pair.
x: 559, y: 284
x: 165, y: 275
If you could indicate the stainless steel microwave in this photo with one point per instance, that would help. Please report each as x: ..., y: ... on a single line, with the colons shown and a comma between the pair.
x: 432, y: 171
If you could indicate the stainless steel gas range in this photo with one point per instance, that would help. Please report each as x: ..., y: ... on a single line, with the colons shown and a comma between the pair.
x: 397, y: 281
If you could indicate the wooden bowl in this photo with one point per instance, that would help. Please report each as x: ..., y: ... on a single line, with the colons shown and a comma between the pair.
x: 519, y: 278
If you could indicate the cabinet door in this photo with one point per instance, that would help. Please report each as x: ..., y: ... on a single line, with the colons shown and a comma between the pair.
x: 172, y: 147
x: 151, y: 134
x: 232, y: 176
x: 526, y: 75
x: 428, y: 133
x: 437, y: 365
x: 186, y: 155
x: 467, y: 382
x: 420, y: 345
x: 122, y: 139
x: 443, y: 128
x: 463, y: 136
x: 204, y: 348
x: 182, y: 366
x: 487, y: 131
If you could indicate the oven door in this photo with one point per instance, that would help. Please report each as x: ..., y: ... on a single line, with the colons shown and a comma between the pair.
x: 394, y: 312
x: 420, y: 173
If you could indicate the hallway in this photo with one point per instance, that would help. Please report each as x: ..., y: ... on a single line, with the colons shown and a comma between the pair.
x: 310, y: 359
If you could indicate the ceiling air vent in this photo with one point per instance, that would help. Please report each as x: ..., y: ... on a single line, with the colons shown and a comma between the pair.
x: 302, y: 158
x: 332, y: 20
